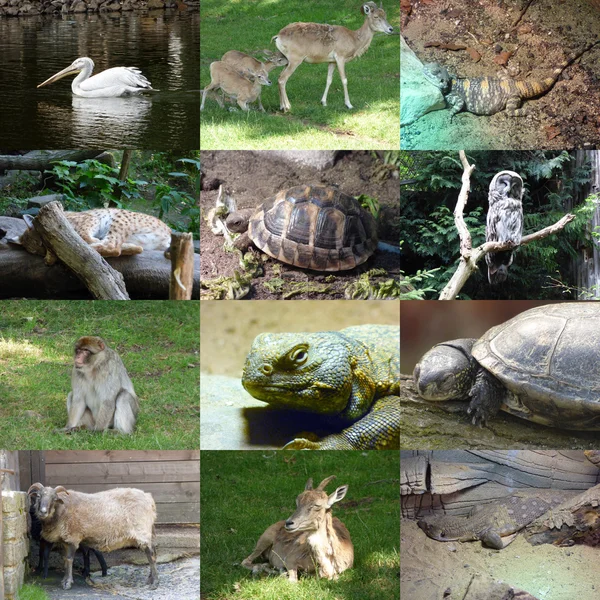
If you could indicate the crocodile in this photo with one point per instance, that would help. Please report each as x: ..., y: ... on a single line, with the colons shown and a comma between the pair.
x: 350, y: 376
x: 495, y: 524
x: 490, y: 95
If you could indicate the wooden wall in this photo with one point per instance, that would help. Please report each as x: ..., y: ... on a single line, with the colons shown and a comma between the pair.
x: 172, y: 477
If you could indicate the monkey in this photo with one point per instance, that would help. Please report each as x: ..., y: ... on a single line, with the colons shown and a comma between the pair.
x: 504, y: 222
x: 102, y: 395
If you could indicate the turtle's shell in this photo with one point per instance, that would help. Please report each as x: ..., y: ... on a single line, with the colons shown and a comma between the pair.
x: 314, y: 227
x: 549, y: 357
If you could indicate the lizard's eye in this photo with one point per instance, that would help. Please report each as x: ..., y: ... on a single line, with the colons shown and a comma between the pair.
x: 299, y: 355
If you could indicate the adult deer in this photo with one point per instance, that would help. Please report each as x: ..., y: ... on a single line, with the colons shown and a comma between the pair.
x: 333, y: 44
x: 310, y: 540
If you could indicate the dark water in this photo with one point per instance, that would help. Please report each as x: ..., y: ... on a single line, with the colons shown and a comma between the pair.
x: 163, y: 44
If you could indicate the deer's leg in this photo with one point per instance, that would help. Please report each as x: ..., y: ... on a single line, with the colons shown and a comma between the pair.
x: 330, y: 69
x: 342, y: 70
x: 260, y: 104
x: 285, y: 75
x: 207, y: 89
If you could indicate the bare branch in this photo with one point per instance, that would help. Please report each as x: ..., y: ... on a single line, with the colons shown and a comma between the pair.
x: 466, y: 243
x: 468, y: 265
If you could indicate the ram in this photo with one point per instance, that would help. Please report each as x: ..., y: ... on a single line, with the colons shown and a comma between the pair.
x: 105, y: 521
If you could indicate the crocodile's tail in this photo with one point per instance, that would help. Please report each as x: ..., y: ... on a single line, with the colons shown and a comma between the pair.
x: 531, y: 89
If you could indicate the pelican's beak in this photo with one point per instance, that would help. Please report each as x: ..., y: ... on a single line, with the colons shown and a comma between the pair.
x: 68, y: 71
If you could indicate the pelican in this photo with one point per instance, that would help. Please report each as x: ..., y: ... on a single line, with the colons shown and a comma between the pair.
x: 118, y: 81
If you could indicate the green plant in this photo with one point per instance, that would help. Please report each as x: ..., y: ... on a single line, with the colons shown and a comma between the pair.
x: 92, y: 184
x: 184, y: 202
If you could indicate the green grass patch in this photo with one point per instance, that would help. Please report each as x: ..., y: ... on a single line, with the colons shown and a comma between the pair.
x: 245, y: 492
x: 373, y: 81
x: 158, y: 342
x: 32, y: 592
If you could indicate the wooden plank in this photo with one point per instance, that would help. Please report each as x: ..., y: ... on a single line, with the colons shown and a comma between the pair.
x: 161, y: 492
x: 87, y: 456
x: 178, y: 513
x: 25, y: 480
x: 130, y: 473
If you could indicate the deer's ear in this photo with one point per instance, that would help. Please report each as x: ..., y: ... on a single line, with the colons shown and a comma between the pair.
x: 337, y: 495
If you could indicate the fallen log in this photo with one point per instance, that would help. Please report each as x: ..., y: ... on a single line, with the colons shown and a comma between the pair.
x: 40, y: 160
x: 24, y: 275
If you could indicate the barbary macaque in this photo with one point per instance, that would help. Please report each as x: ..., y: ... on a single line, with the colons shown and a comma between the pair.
x: 102, y: 395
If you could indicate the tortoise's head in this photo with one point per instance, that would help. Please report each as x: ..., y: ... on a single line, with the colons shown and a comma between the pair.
x: 447, y: 371
x: 237, y: 221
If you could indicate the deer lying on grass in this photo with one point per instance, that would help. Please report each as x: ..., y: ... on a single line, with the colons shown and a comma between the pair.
x: 310, y: 540
x: 333, y: 44
x: 241, y: 84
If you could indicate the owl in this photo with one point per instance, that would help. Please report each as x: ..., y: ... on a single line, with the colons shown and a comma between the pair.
x: 504, y: 222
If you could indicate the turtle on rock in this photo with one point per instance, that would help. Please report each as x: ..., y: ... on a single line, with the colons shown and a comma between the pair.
x: 542, y: 365
x: 309, y: 226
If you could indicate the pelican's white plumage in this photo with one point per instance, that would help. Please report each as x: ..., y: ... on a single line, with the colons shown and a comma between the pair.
x: 118, y: 81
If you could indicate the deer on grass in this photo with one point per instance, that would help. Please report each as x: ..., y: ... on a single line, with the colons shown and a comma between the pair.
x: 333, y: 44
x: 311, y: 540
x: 240, y: 83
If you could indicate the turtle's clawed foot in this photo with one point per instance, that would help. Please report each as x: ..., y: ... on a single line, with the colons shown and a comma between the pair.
x: 487, y: 395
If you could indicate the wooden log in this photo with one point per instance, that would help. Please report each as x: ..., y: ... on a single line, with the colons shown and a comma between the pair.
x: 39, y: 160
x: 182, y: 266
x: 97, y: 275
x: 147, y: 276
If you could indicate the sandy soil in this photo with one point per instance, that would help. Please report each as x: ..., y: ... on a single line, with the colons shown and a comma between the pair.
x: 568, y: 116
x: 428, y: 567
x: 251, y: 178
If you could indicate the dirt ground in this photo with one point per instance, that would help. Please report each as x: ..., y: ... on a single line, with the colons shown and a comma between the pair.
x: 568, y: 116
x: 429, y: 568
x: 251, y: 178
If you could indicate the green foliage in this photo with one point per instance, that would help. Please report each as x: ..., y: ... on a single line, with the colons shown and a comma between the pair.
x: 553, y: 185
x: 184, y: 202
x: 32, y: 591
x: 371, y: 204
x: 92, y: 184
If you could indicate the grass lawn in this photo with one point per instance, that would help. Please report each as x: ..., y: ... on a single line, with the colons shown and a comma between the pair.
x: 158, y: 342
x: 373, y: 81
x: 32, y: 592
x: 242, y: 493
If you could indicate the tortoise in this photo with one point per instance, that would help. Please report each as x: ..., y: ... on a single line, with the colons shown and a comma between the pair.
x: 309, y: 226
x: 542, y: 365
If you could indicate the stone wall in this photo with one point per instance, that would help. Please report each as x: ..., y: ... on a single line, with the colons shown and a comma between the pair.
x: 15, y: 542
x: 19, y: 8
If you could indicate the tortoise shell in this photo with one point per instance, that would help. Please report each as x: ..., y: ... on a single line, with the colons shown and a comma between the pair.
x: 549, y: 357
x: 314, y: 227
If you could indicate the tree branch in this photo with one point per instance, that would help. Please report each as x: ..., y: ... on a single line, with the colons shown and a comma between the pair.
x: 468, y: 263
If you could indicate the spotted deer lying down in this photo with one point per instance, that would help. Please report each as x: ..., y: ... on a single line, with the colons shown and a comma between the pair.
x: 110, y: 231
x: 311, y: 540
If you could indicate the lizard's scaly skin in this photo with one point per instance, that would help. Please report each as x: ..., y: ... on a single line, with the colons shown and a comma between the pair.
x: 489, y: 95
x: 352, y: 375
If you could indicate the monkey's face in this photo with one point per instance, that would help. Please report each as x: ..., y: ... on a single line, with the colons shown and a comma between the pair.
x: 85, y: 350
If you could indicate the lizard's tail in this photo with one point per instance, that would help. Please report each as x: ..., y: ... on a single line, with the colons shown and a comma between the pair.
x: 531, y: 89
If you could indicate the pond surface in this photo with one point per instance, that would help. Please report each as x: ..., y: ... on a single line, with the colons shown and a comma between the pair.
x: 163, y: 44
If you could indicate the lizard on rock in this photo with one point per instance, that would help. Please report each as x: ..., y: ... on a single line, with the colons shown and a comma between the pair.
x: 489, y: 95
x: 495, y: 524
x: 352, y: 376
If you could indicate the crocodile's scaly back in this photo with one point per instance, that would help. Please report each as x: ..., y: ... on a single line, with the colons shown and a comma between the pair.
x: 352, y: 375
x: 489, y: 95
x: 496, y: 520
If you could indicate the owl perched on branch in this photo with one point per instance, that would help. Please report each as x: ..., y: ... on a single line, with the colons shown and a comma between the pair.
x: 504, y: 222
